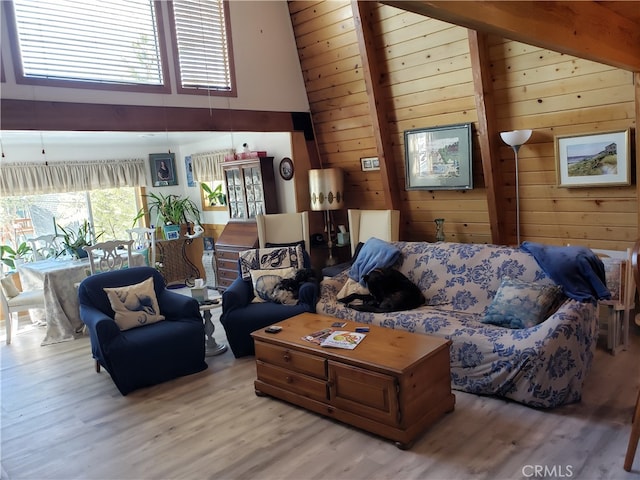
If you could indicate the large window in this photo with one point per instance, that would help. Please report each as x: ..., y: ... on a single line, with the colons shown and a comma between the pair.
x: 114, y: 42
x: 120, y: 44
x: 110, y: 211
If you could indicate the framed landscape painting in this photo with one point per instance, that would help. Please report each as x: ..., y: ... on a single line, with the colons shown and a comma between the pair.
x: 438, y: 158
x: 593, y: 160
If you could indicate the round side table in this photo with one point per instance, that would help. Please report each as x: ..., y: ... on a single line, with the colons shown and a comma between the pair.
x: 212, y: 347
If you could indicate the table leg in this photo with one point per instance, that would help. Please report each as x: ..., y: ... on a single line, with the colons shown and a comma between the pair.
x: 212, y: 347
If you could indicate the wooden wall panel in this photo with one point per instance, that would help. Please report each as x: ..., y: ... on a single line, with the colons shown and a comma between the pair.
x: 562, y: 95
x: 426, y: 80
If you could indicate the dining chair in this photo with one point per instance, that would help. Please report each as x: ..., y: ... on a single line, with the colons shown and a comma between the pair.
x: 635, y: 421
x: 14, y: 301
x: 44, y: 246
x: 144, y: 241
x: 107, y: 256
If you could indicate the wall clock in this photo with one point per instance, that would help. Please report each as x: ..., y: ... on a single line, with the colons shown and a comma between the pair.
x: 286, y: 168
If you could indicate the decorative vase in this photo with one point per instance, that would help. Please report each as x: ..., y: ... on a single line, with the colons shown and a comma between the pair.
x: 439, y: 229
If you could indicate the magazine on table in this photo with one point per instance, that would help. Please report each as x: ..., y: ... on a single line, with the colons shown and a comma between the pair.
x: 342, y: 339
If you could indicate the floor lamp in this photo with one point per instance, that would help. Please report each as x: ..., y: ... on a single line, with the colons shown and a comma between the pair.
x: 515, y: 139
x: 326, y: 190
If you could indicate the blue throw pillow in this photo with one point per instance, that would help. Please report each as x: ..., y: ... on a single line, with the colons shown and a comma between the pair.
x: 520, y: 304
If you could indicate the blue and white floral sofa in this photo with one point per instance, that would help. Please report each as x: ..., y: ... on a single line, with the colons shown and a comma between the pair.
x: 541, y: 366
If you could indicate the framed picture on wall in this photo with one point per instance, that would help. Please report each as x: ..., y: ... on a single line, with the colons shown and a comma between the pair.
x: 163, y: 169
x: 188, y: 165
x: 369, y: 164
x: 439, y: 158
x: 593, y: 160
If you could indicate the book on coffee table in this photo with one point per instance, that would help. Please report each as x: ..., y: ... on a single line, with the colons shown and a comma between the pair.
x: 342, y: 339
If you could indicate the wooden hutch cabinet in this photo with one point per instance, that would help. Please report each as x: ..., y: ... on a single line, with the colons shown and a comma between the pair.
x: 251, y: 190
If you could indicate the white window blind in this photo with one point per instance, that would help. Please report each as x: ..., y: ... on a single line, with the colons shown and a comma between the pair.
x: 112, y: 41
x: 202, y: 43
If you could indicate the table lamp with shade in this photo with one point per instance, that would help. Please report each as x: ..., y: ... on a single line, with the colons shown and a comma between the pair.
x: 326, y: 189
x: 515, y: 139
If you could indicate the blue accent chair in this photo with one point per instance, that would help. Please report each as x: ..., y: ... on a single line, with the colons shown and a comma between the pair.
x: 240, y: 316
x: 147, y: 355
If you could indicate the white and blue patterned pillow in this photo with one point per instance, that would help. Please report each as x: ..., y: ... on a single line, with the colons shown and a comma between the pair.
x: 265, y: 282
x: 270, y: 258
x: 520, y: 304
x: 134, y: 305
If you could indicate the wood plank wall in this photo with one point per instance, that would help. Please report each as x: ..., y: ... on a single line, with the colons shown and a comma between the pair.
x: 426, y: 80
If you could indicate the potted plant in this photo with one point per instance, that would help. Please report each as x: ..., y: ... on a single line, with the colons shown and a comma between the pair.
x: 216, y: 196
x: 172, y: 210
x: 74, y: 240
x: 13, y: 258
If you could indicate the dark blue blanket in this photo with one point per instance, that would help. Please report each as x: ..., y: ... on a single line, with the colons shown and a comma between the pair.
x: 577, y: 269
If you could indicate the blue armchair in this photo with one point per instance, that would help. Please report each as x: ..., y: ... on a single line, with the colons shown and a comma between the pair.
x: 240, y: 316
x: 149, y: 354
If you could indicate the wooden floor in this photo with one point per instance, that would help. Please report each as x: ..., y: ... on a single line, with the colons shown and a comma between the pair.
x: 61, y: 420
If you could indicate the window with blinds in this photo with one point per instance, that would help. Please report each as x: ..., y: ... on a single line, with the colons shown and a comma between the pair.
x: 111, y: 42
x: 202, y: 46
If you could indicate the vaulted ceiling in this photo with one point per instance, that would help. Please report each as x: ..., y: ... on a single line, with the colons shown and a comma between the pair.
x: 605, y: 32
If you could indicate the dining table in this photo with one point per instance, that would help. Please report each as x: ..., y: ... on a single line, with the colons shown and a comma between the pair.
x: 58, y: 278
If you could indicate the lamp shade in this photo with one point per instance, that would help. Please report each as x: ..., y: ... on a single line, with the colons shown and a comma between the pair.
x: 515, y: 138
x: 326, y: 189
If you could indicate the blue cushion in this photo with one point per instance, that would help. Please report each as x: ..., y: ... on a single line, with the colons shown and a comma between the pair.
x: 520, y: 304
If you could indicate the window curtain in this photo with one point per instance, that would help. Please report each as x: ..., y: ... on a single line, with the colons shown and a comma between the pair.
x: 207, y: 166
x: 38, y: 178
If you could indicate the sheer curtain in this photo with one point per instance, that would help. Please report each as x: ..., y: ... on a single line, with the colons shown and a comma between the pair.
x: 37, y: 178
x: 207, y: 166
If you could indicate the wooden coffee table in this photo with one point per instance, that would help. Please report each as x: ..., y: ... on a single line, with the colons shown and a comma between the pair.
x: 394, y: 383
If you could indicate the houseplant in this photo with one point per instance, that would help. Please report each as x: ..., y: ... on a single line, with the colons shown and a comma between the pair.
x: 170, y: 209
x: 216, y: 197
x: 74, y: 240
x: 11, y: 257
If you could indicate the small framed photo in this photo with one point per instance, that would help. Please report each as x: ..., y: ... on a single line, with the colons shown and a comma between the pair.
x: 370, y: 163
x: 593, y: 160
x: 163, y: 169
x: 172, y: 235
x: 439, y: 158
x: 208, y: 243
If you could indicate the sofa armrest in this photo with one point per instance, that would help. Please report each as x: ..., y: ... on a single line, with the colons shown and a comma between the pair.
x: 238, y: 295
x: 308, y: 294
x: 177, y: 307
x: 103, y: 331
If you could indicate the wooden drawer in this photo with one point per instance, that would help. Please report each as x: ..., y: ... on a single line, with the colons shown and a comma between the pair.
x: 227, y: 255
x: 225, y: 282
x: 225, y: 264
x: 292, y: 381
x: 368, y: 394
x: 292, y: 359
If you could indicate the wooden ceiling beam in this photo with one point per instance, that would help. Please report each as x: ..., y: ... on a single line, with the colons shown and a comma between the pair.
x: 363, y: 21
x: 583, y: 29
x: 488, y: 134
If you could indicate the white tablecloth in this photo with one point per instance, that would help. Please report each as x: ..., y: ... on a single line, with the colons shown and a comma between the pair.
x: 58, y: 279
